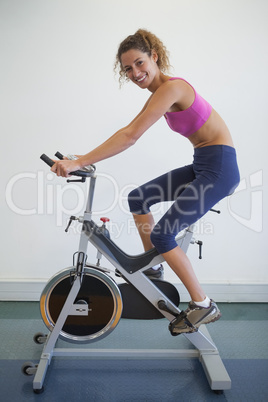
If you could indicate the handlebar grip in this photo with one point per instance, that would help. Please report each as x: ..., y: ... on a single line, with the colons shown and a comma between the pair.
x: 59, y: 155
x: 47, y: 160
x: 50, y: 163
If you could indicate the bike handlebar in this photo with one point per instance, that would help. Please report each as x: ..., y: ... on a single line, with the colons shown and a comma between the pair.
x: 80, y: 173
x: 59, y: 155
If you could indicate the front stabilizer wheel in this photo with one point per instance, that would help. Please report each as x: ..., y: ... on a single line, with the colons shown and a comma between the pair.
x: 40, y: 338
x: 29, y: 368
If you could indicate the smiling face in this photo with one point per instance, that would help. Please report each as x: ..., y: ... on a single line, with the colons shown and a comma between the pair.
x: 139, y: 67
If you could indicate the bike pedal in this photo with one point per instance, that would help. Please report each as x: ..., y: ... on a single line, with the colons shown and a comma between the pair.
x: 181, y: 317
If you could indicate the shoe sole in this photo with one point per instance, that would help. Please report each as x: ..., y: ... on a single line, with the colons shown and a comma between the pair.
x: 196, y: 327
x: 158, y: 276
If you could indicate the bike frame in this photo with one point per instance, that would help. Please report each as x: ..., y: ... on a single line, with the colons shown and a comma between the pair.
x: 132, y: 269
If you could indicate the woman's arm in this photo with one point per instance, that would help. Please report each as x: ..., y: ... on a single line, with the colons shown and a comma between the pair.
x: 155, y: 107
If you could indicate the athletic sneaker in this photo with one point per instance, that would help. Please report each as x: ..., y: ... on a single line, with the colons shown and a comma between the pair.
x: 190, y: 320
x: 155, y: 273
x: 150, y: 272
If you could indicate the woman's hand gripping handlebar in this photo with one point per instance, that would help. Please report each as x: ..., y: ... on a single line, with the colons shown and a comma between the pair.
x: 81, y: 173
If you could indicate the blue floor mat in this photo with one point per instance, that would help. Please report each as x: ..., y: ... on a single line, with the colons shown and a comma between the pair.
x: 243, y: 349
x: 133, y: 381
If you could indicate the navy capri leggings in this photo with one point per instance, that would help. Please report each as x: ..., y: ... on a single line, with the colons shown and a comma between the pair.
x: 195, y: 189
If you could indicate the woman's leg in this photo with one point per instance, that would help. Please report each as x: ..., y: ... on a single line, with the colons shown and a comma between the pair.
x: 145, y: 224
x: 176, y: 258
x: 181, y: 265
x: 164, y: 188
x: 214, y: 175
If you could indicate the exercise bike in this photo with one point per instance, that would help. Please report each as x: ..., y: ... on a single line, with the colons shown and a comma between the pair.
x: 83, y: 303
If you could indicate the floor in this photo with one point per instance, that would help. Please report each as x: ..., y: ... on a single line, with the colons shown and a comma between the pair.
x: 240, y: 335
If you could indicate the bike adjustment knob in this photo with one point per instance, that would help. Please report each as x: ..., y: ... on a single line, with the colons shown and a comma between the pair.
x: 72, y: 218
x: 104, y: 219
x: 103, y: 228
x: 200, y: 244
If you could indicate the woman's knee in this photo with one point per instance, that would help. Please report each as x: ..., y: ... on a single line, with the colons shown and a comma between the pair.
x: 162, y: 241
x: 136, y: 202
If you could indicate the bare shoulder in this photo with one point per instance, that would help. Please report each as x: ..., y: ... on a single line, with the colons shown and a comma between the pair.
x: 174, y: 94
x: 177, y: 88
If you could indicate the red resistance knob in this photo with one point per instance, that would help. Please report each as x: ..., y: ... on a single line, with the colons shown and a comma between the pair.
x: 104, y: 220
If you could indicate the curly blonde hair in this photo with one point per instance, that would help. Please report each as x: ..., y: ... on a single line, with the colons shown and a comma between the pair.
x: 144, y: 41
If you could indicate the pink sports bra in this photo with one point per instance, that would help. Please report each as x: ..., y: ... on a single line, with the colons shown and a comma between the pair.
x: 188, y: 121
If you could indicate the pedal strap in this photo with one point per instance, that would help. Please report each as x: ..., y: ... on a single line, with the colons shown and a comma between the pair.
x: 181, y: 317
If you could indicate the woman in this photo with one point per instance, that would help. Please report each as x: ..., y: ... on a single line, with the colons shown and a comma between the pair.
x: 142, y: 58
